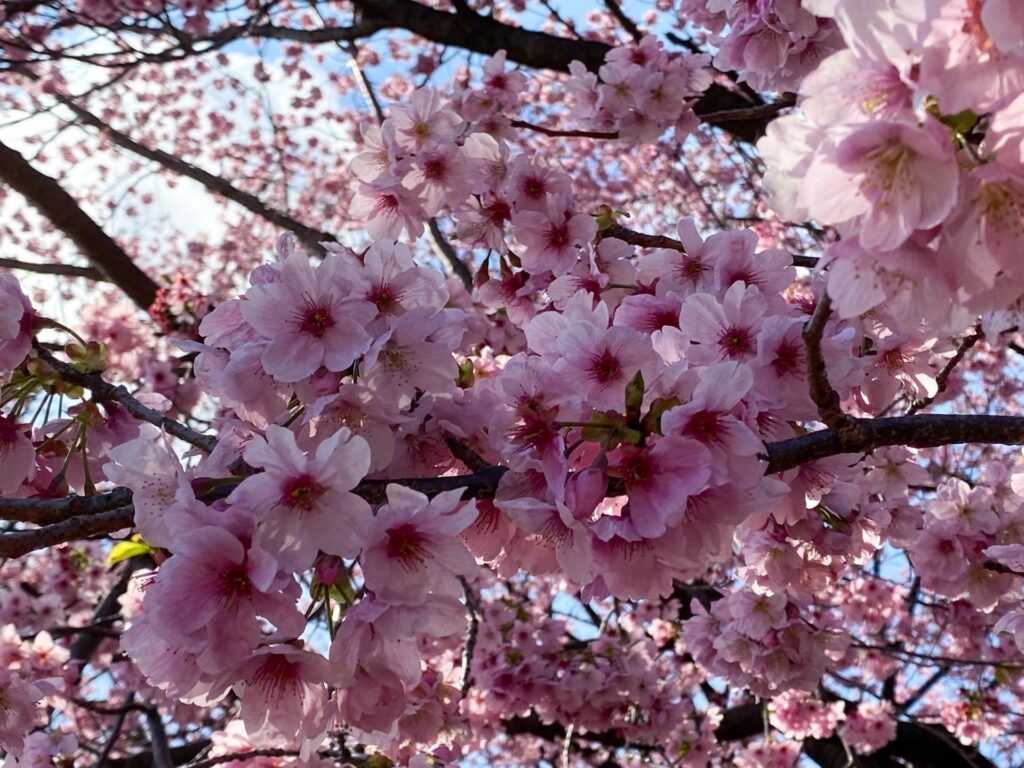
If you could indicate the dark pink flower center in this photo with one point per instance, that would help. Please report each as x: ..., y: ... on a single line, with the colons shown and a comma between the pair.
x: 534, y: 187
x: 497, y: 212
x: 735, y: 342
x: 235, y: 585
x: 787, y: 359
x: 301, y: 492
x: 316, y: 320
x: 605, y: 367
x: 637, y: 470
x: 704, y: 426
x: 384, y: 298
x: 276, y: 675
x: 558, y: 236
x: 434, y: 169
x: 405, y: 544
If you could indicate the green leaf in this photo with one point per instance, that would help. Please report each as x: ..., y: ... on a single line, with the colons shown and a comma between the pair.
x: 961, y: 123
x: 634, y: 397
x: 126, y: 549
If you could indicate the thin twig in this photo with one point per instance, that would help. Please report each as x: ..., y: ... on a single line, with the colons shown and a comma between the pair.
x: 627, y: 23
x: 122, y: 713
x: 821, y: 391
x: 103, y: 390
x: 67, y: 270
x: 749, y: 113
x: 942, y: 380
x: 644, y: 240
x: 565, y: 133
x: 158, y: 739
x: 472, y: 629
x: 219, y: 759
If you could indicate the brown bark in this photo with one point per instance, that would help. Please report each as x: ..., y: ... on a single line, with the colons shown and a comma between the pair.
x: 49, y: 197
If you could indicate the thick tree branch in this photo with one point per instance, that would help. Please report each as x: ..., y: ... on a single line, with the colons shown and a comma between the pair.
x: 18, y: 543
x: 864, y: 435
x: 106, y: 612
x: 46, y: 194
x: 49, y: 511
x: 484, y: 34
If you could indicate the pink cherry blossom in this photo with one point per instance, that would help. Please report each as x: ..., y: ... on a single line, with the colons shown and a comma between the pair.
x: 304, y: 503
x: 412, y: 547
x: 309, y: 318
x: 16, y: 323
x: 888, y: 178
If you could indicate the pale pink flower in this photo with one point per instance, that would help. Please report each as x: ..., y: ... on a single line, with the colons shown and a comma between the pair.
x: 378, y: 157
x: 18, y: 710
x: 304, y: 503
x: 869, y: 727
x: 847, y: 89
x: 938, y: 551
x: 415, y: 354
x: 412, y: 546
x: 553, y: 238
x: 501, y: 85
x: 215, y: 586
x: 788, y: 148
x: 17, y: 456
x: 529, y: 184
x: 684, y: 272
x: 596, y: 364
x: 387, y: 208
x: 963, y: 64
x: 150, y: 468
x: 753, y: 613
x: 1012, y: 623
x: 984, y: 235
x: 886, y: 180
x: 397, y: 284
x: 441, y: 175
x: 553, y: 532
x: 710, y: 418
x: 309, y: 318
x: 725, y: 330
x: 906, y: 284
x: 660, y: 479
x: 282, y: 688
x: 16, y: 323
x: 426, y: 119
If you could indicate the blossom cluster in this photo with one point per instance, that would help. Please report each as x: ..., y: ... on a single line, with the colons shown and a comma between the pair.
x: 889, y: 148
x: 609, y: 404
x: 773, y: 44
x: 639, y: 92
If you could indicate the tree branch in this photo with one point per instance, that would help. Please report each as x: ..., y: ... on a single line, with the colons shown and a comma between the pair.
x: 310, y: 237
x: 67, y: 270
x: 942, y: 380
x: 18, y: 543
x: 103, y: 390
x: 47, y: 195
x: 644, y: 240
x: 484, y: 34
x: 865, y: 435
x: 48, y: 511
x: 821, y: 391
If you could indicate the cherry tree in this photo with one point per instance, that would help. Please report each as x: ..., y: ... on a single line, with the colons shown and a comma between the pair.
x: 511, y: 383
